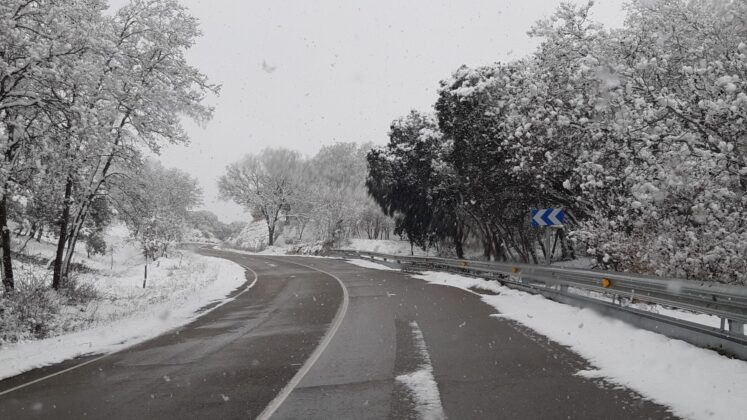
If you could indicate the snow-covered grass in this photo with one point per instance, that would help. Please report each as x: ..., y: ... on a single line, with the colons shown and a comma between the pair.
x: 274, y: 250
x: 128, y: 314
x: 695, y: 383
x: 121, y: 251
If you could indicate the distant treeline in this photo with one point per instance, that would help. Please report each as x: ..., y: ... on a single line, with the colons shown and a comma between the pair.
x: 321, y: 198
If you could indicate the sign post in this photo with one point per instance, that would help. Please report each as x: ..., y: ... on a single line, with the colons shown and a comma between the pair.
x: 548, y: 218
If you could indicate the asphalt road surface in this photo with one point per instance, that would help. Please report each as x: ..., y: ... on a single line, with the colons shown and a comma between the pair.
x: 323, y: 339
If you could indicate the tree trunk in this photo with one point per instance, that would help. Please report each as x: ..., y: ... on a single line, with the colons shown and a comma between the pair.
x: 2, y: 272
x: 145, y: 271
x: 6, y: 262
x: 64, y: 221
x: 73, y: 239
x: 499, y: 252
x: 530, y: 248
x: 542, y: 245
x: 566, y: 251
x: 555, y: 242
x: 483, y: 233
x: 487, y: 246
x: 93, y: 187
x: 458, y: 246
x: 26, y: 242
x: 300, y: 231
x: 40, y: 233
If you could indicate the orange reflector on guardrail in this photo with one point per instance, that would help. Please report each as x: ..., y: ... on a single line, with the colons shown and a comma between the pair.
x: 606, y: 282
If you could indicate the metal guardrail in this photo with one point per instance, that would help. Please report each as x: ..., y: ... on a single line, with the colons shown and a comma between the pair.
x: 727, y: 302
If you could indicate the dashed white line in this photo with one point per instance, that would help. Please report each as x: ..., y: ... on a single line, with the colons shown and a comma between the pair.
x: 421, y: 383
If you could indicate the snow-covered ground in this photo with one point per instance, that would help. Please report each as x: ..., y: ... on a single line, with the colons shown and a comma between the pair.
x: 393, y: 247
x: 129, y: 314
x: 273, y: 250
x: 370, y: 264
x: 695, y: 383
x: 252, y: 237
x: 125, y: 313
x: 703, y: 319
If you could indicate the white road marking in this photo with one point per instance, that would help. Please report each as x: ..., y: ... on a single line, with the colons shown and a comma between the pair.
x: 421, y: 383
x: 88, y: 362
x: 296, y: 379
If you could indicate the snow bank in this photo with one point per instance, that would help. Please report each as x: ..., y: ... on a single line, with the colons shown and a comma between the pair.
x: 252, y: 237
x: 129, y: 314
x: 391, y: 247
x: 696, y: 383
x: 370, y: 264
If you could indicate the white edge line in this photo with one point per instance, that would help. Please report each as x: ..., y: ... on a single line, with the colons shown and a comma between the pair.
x: 427, y: 408
x: 296, y: 379
x: 44, y: 378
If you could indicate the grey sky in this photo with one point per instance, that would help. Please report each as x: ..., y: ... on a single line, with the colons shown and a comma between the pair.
x: 302, y: 74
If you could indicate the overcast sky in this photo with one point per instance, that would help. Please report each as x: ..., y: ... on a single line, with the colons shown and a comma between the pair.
x: 302, y: 74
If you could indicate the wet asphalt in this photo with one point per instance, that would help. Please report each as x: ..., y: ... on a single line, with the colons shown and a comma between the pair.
x: 233, y: 361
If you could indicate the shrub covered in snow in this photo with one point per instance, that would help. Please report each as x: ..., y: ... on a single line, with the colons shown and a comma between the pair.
x: 30, y: 311
x: 317, y: 248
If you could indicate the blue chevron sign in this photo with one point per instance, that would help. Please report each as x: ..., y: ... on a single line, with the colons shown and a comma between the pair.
x: 548, y: 217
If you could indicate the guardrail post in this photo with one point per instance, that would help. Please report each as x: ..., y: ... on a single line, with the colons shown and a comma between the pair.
x: 736, y: 327
x: 564, y: 288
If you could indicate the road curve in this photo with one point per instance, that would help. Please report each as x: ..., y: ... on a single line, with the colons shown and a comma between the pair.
x: 485, y: 367
x: 287, y: 349
x: 229, y: 363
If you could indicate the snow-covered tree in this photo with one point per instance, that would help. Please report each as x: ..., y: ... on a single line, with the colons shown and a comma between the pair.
x: 156, y: 207
x: 669, y: 182
x: 410, y: 182
x: 263, y: 184
x: 82, y: 95
x: 639, y: 132
x: 42, y: 44
x: 336, y: 180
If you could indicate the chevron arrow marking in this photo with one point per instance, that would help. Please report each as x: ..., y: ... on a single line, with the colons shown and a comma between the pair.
x: 554, y: 217
x: 548, y: 217
x: 537, y: 219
